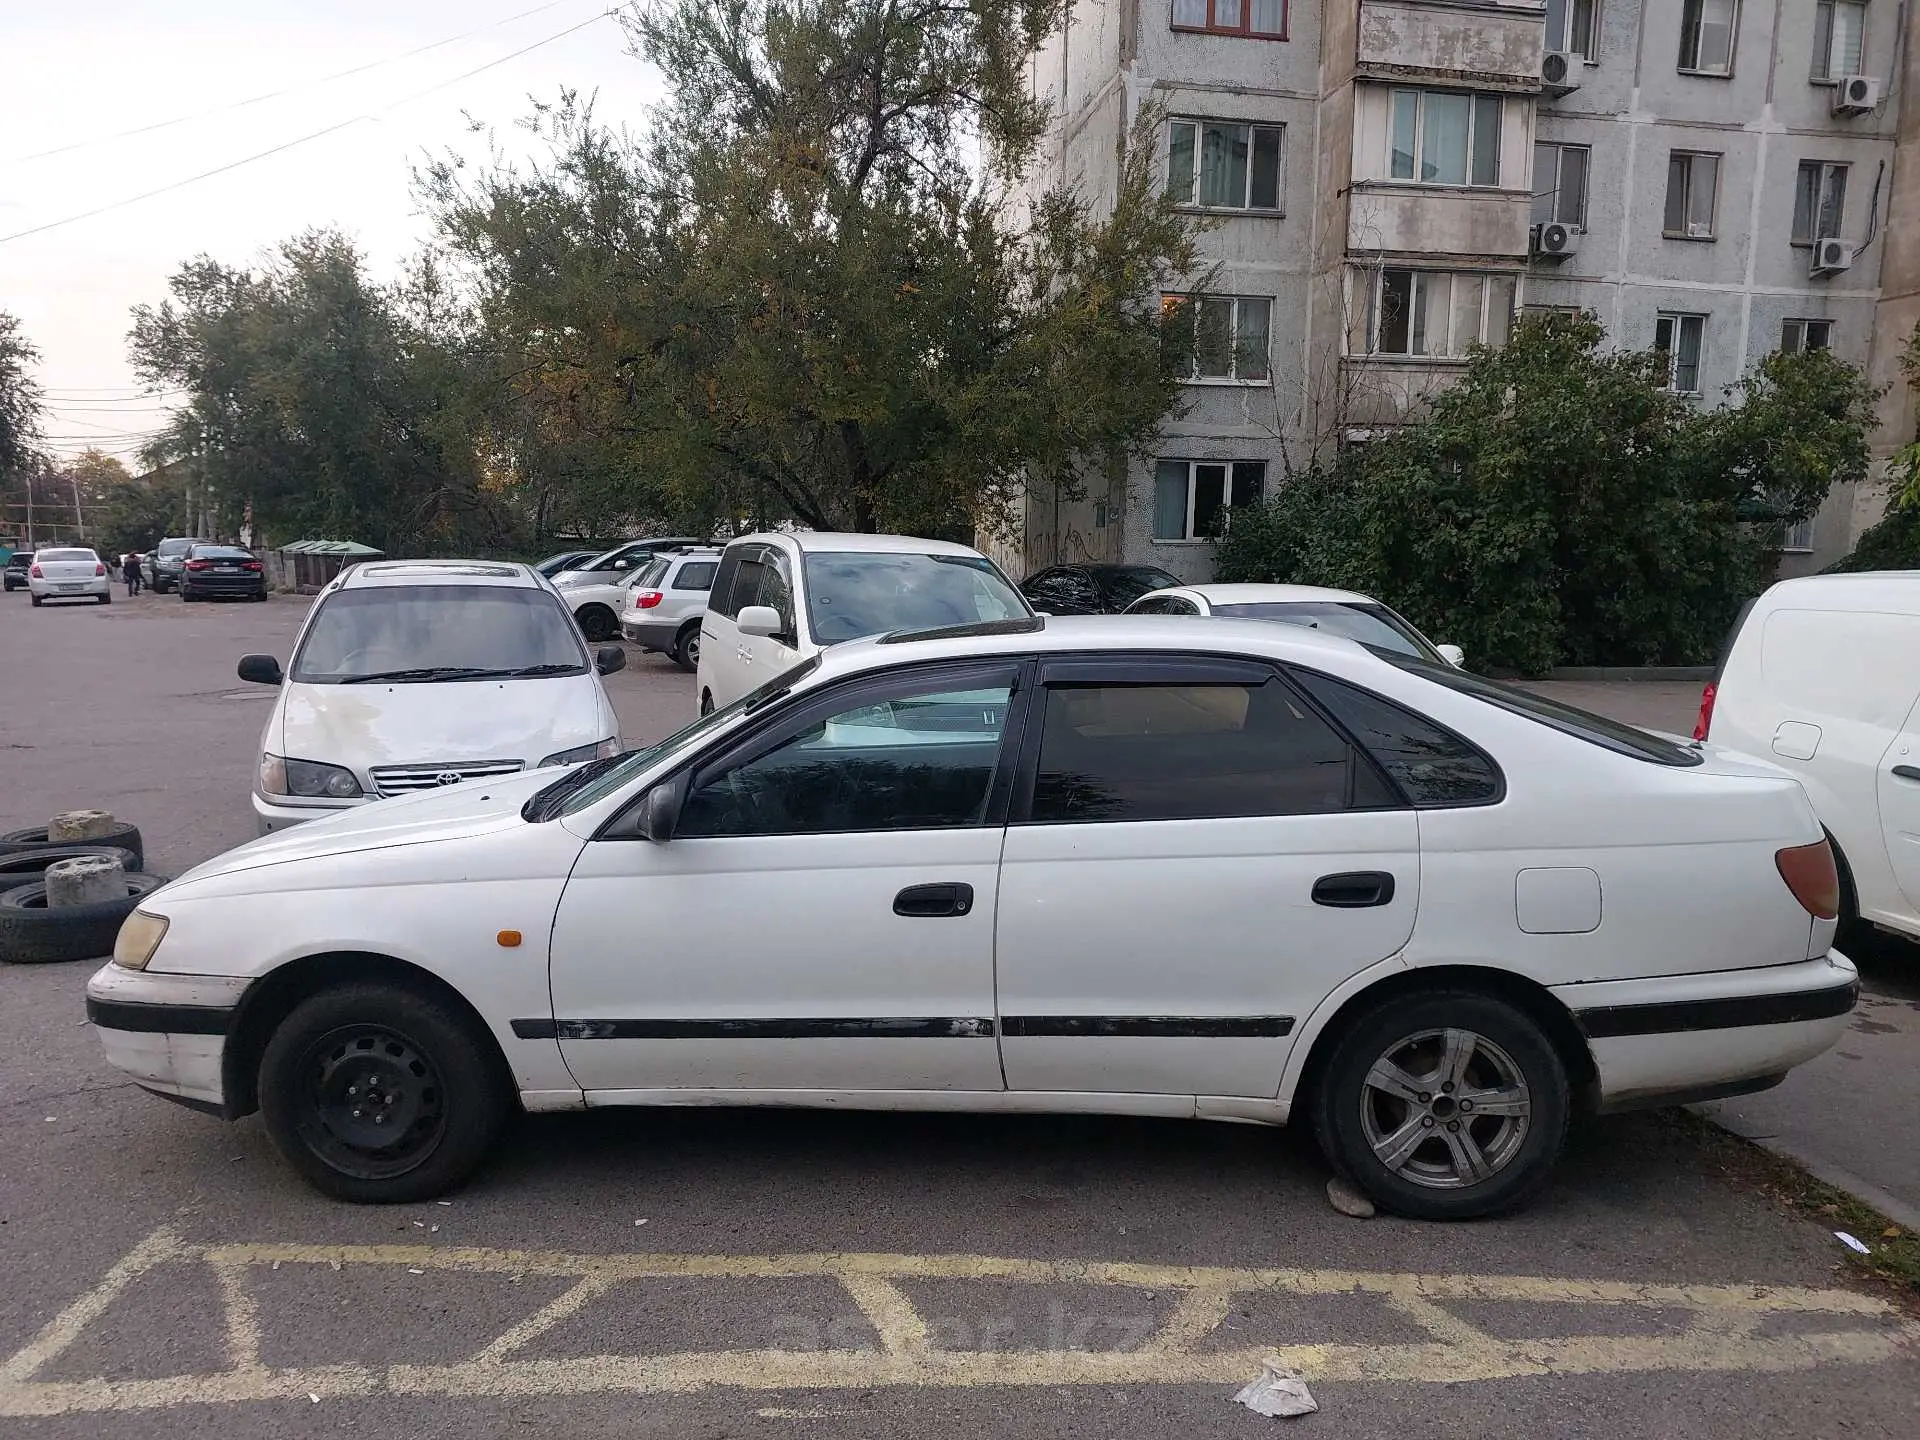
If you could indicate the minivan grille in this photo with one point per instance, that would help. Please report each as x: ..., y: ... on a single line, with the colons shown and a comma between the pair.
x: 405, y: 779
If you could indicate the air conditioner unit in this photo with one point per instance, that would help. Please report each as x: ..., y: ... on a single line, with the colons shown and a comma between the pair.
x: 1856, y: 95
x: 1559, y: 72
x: 1830, y: 257
x: 1555, y: 241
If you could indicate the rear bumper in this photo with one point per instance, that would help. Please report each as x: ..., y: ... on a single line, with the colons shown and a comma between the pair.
x: 650, y: 635
x: 168, y: 1032
x: 91, y: 588
x: 224, y: 584
x: 1684, y: 1037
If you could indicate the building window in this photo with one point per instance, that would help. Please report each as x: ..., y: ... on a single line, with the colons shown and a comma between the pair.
x: 1560, y: 184
x: 1559, y: 312
x: 1262, y: 19
x: 1693, y: 186
x: 1797, y: 336
x: 1224, y: 166
x: 1445, y: 137
x: 1819, y: 202
x: 1189, y: 496
x: 1438, y: 313
x: 1840, y: 29
x: 1797, y: 538
x: 1225, y: 336
x: 1570, y: 27
x: 1706, y: 36
x: 1681, y: 338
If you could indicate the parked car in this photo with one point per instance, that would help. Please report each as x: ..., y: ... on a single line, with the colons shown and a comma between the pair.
x: 666, y: 601
x: 211, y: 571
x: 565, y: 560
x: 68, y: 573
x: 1338, y: 612
x: 413, y: 674
x: 14, y: 577
x: 1092, y: 589
x: 1819, y: 676
x: 162, y: 567
x: 596, y: 600
x: 620, y: 559
x: 778, y: 598
x: 1168, y: 867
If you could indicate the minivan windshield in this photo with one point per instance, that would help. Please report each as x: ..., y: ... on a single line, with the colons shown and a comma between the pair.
x: 1373, y: 625
x: 424, y: 633
x: 855, y: 593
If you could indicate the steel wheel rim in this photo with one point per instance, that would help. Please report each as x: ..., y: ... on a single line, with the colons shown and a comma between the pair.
x: 692, y: 648
x: 373, y: 1101
x: 1445, y: 1109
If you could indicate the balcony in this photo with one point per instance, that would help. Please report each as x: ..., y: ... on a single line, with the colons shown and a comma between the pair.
x: 1381, y: 392
x: 1396, y: 218
x: 1483, y: 43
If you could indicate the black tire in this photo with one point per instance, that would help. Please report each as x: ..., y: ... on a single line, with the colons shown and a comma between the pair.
x: 706, y: 702
x: 33, y: 861
x: 597, y: 623
x: 686, y: 646
x: 31, y: 934
x: 123, y: 837
x: 1518, y: 1150
x: 429, y: 1072
x: 107, y: 599
x: 37, y: 601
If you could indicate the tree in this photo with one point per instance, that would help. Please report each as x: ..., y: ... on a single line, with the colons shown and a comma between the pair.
x: 1893, y: 543
x: 1560, y: 506
x: 123, y: 513
x: 20, y: 406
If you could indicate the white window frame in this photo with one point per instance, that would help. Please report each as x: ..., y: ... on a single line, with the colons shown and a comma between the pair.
x: 1226, y: 496
x: 1698, y: 9
x: 1824, y: 71
x: 1686, y: 206
x: 1474, y: 98
x: 1198, y: 124
x: 1564, y: 26
x: 1241, y: 350
x: 1542, y: 190
x: 1828, y: 169
x: 1794, y: 333
x: 1422, y: 280
x: 1676, y: 322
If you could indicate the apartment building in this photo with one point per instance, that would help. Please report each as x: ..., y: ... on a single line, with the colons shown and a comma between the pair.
x: 1387, y: 182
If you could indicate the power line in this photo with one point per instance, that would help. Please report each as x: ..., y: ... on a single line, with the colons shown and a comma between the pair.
x: 300, y: 140
x: 287, y: 90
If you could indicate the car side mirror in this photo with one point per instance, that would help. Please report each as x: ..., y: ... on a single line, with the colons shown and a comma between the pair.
x: 609, y: 658
x: 260, y: 669
x: 761, y: 620
x: 1453, y: 655
x: 660, y: 809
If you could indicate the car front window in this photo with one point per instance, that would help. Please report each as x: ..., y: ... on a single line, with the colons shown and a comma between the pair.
x: 422, y: 633
x: 853, y: 594
x: 1373, y: 625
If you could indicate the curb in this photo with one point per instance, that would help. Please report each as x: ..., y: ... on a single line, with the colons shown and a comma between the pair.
x: 1867, y: 1193
x: 1646, y: 674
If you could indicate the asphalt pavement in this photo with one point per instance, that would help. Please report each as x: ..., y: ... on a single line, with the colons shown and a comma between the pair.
x: 716, y: 1273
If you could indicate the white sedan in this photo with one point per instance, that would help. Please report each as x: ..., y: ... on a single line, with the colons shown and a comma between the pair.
x: 69, y: 573
x: 1205, y: 868
x: 1338, y: 612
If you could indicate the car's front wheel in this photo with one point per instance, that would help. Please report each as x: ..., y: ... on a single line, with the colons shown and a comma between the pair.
x: 380, y: 1095
x: 1443, y: 1105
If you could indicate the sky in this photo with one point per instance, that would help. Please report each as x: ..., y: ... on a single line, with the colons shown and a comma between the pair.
x: 77, y: 75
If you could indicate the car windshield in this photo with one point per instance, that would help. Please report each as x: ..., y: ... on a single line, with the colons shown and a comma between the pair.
x: 83, y: 555
x: 438, y: 632
x: 1373, y: 625
x: 852, y: 594
x: 174, y: 547
x: 1125, y: 584
x: 574, y: 795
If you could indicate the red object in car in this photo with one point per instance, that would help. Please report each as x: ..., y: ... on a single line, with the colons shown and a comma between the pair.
x: 199, y: 564
x: 253, y: 565
x: 1814, y: 878
x: 647, y: 599
x: 99, y: 569
x: 34, y: 571
x: 1705, y: 722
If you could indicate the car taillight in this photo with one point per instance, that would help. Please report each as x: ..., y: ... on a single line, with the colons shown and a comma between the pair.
x: 99, y: 569
x: 1705, y: 722
x: 1812, y: 877
x: 34, y: 571
x: 253, y: 565
x: 647, y: 599
x: 199, y: 564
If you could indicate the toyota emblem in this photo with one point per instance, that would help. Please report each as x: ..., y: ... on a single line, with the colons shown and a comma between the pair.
x: 448, y: 777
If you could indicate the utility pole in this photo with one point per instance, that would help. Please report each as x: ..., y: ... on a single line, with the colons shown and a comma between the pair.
x: 79, y: 523
x: 27, y: 475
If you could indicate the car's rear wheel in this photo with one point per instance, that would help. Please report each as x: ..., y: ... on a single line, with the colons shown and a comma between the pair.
x: 686, y: 646
x: 1443, y: 1105
x: 36, y: 601
x: 379, y: 1095
x: 597, y: 622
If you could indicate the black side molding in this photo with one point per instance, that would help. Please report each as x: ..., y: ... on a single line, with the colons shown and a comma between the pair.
x: 933, y: 1027
x: 158, y: 1019
x: 1169, y: 1027
x: 1735, y: 1012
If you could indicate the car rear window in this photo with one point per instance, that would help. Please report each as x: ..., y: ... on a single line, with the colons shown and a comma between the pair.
x: 1567, y: 719
x: 85, y: 555
x: 696, y: 575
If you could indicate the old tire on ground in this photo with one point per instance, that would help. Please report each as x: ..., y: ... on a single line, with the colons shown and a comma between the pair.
x: 379, y: 1095
x: 32, y: 934
x: 120, y: 837
x: 31, y: 862
x: 1443, y: 1104
x: 597, y: 623
x: 686, y: 646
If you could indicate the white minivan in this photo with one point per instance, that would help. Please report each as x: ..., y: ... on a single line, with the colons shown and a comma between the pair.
x: 1822, y: 676
x: 779, y: 598
x: 409, y: 675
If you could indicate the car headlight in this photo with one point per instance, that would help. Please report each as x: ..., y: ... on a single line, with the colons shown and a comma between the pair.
x: 307, y: 779
x: 140, y: 935
x: 582, y: 753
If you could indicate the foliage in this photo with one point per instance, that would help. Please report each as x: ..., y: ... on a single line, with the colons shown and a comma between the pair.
x: 1560, y: 506
x: 20, y: 403
x: 125, y: 514
x: 1894, y: 542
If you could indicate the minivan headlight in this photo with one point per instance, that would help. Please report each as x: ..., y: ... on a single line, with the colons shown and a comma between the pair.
x: 306, y: 779
x: 582, y: 753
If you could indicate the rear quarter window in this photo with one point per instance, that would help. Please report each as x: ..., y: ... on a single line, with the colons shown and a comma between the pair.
x: 1433, y: 767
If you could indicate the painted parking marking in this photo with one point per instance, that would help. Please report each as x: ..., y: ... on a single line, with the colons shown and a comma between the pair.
x: 1724, y: 1330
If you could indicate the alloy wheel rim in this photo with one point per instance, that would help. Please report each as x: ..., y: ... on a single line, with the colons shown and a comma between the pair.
x: 1445, y: 1109
x: 374, y: 1101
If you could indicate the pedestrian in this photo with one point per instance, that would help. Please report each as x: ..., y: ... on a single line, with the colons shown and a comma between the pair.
x: 130, y: 568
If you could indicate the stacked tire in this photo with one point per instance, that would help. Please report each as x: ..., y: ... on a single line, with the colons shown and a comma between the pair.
x: 31, y: 932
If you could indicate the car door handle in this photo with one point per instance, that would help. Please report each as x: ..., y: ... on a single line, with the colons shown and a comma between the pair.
x: 930, y: 902
x: 1354, y: 890
x: 1907, y: 772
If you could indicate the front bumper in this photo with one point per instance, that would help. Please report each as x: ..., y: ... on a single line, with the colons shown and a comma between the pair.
x: 1675, y: 1038
x: 271, y: 813
x: 169, y: 1032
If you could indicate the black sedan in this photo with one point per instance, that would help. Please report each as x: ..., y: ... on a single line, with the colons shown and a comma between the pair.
x: 16, y: 570
x: 214, y: 570
x: 1092, y: 589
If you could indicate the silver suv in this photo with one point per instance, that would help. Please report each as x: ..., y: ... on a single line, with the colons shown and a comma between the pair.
x: 666, y: 600
x: 164, y: 563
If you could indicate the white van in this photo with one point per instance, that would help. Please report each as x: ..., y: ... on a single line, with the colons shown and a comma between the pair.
x: 413, y: 674
x: 1822, y: 676
x: 779, y: 598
